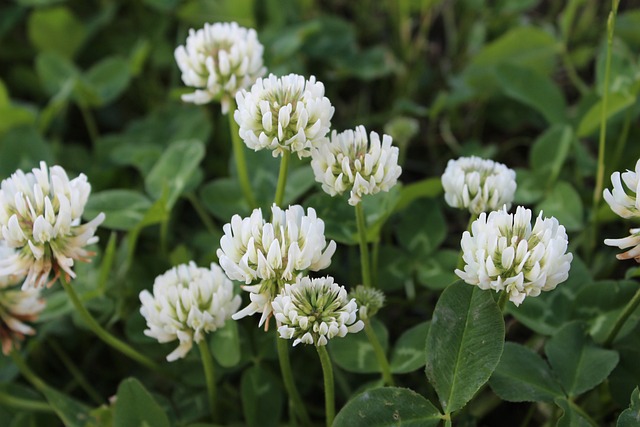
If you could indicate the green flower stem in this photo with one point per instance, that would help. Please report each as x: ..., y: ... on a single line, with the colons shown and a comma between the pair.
x: 282, y: 178
x: 202, y: 213
x: 101, y: 332
x: 364, y: 247
x: 241, y: 162
x: 75, y: 372
x: 90, y: 123
x: 26, y: 372
x: 24, y: 404
x: 502, y: 300
x: 628, y: 310
x: 597, y: 191
x: 210, y: 376
x: 289, y: 384
x: 460, y: 259
x: 327, y: 374
x: 381, y: 357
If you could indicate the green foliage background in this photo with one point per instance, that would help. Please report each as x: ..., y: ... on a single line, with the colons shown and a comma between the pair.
x: 93, y: 86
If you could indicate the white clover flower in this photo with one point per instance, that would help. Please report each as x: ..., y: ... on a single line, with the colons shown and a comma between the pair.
x: 312, y: 311
x: 632, y: 241
x: 16, y: 307
x: 625, y: 205
x: 369, y: 301
x: 219, y: 60
x: 40, y: 214
x: 353, y: 162
x: 282, y: 114
x: 188, y: 302
x: 270, y: 254
x: 504, y: 253
x: 478, y: 185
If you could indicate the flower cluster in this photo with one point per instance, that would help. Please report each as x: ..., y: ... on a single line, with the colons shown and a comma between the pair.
x: 627, y: 205
x: 478, y: 185
x: 312, y: 311
x: 369, y: 301
x: 187, y: 303
x: 40, y: 216
x: 351, y: 161
x: 282, y: 114
x: 270, y: 254
x: 504, y: 253
x: 218, y: 60
x: 16, y: 307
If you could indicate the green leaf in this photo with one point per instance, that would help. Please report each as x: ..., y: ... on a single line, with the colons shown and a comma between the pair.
x: 225, y: 345
x: 422, y: 228
x: 549, y: 152
x: 464, y: 344
x: 408, y: 352
x: 55, y: 72
x: 630, y: 417
x: 124, y: 209
x: 354, y: 353
x: 108, y: 79
x: 198, y: 12
x: 262, y: 397
x: 22, y: 148
x: 55, y: 29
x: 533, y: 89
x: 174, y: 169
x: 135, y: 407
x: 437, y: 270
x: 577, y: 361
x: 616, y: 102
x: 15, y: 116
x: 223, y: 198
x: 564, y: 203
x: 523, y: 376
x: 430, y: 187
x: 70, y: 411
x: 387, y: 407
x: 573, y: 416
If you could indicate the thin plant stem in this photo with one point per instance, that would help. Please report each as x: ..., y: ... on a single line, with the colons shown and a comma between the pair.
x: 210, y: 376
x: 202, y: 213
x: 241, y: 162
x: 282, y: 178
x: 26, y: 372
x: 287, y: 377
x: 90, y: 123
x: 597, y: 191
x: 28, y: 405
x: 381, y: 357
x: 502, y: 300
x: 365, y: 261
x: 621, y: 320
x: 75, y: 372
x: 101, y: 332
x: 329, y: 394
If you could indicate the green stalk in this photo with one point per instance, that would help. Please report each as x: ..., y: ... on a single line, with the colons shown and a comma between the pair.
x: 27, y: 405
x: 101, y: 332
x: 597, y: 191
x: 381, y: 357
x: 75, y: 372
x: 626, y: 313
x: 327, y: 374
x: 26, y: 372
x: 210, y: 376
x: 202, y: 213
x: 238, y: 154
x: 364, y: 247
x: 502, y: 300
x: 90, y: 123
x: 289, y: 384
x: 282, y: 178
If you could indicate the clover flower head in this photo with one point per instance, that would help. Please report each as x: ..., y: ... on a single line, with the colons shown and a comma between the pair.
x: 502, y: 252
x: 266, y: 255
x: 187, y: 303
x: 632, y: 241
x: 353, y: 162
x: 287, y: 113
x: 218, y: 60
x: 369, y: 301
x: 16, y: 307
x: 40, y: 217
x: 626, y: 204
x: 478, y: 185
x: 312, y: 311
